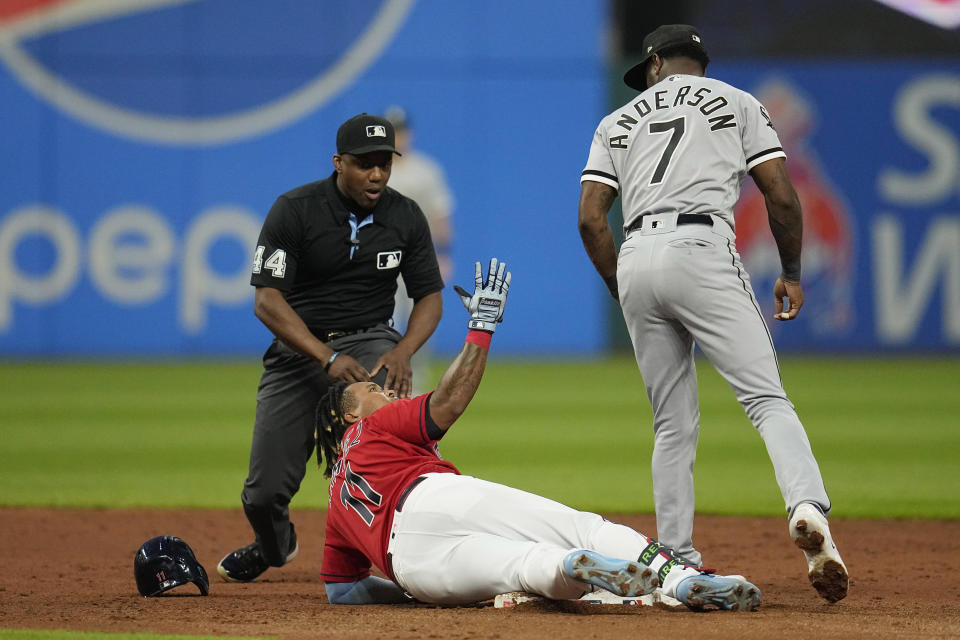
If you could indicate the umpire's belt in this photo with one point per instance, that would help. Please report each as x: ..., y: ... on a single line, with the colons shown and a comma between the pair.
x: 683, y: 218
x: 326, y: 335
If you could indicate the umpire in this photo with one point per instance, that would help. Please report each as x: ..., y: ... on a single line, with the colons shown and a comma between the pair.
x: 325, y: 272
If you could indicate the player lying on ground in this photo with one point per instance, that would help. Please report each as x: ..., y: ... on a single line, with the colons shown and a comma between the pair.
x: 446, y: 538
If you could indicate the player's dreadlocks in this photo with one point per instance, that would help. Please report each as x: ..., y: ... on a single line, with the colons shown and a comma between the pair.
x: 331, y: 424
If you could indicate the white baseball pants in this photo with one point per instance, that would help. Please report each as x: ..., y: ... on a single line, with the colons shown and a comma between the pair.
x: 459, y: 539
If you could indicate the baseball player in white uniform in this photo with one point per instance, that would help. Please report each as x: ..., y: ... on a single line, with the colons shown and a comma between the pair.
x: 445, y: 538
x: 676, y: 155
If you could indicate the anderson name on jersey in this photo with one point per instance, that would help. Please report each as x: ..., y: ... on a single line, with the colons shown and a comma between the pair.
x: 652, y: 149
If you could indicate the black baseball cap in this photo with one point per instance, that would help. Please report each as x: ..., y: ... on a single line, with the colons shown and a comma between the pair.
x: 663, y: 37
x: 364, y: 133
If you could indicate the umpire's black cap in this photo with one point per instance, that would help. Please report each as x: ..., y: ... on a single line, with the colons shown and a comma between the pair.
x: 364, y: 133
x: 663, y: 37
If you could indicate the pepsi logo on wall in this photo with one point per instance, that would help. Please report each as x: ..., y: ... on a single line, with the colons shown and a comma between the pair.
x: 130, y: 68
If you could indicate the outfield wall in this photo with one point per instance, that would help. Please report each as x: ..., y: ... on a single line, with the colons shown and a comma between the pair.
x: 143, y: 142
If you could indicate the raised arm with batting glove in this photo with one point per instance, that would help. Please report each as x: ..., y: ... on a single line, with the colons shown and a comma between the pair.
x: 454, y: 392
x: 459, y: 383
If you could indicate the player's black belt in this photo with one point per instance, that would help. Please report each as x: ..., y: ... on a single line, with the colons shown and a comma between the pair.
x: 389, y: 568
x: 406, y: 492
x: 683, y: 218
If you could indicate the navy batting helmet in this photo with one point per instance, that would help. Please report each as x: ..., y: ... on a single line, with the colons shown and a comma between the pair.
x: 165, y: 562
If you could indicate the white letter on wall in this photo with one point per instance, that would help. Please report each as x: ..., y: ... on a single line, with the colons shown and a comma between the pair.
x: 901, y: 301
x: 131, y: 272
x: 200, y: 284
x: 14, y: 284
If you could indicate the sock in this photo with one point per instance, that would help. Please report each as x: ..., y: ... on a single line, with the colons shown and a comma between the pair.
x: 671, y: 567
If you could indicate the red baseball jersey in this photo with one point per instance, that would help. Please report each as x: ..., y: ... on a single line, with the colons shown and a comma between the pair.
x: 379, y: 456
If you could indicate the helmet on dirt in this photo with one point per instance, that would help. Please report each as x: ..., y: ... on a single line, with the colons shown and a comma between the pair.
x: 165, y: 562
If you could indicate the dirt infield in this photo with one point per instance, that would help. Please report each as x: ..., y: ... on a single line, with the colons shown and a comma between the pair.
x: 73, y: 569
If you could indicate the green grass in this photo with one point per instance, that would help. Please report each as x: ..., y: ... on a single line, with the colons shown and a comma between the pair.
x: 125, y: 435
x: 886, y: 434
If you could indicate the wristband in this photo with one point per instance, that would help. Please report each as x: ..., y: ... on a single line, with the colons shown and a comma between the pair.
x: 480, y: 338
x: 791, y: 270
x: 333, y: 357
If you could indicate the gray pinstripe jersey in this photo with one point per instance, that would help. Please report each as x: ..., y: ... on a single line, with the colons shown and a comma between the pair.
x: 682, y: 145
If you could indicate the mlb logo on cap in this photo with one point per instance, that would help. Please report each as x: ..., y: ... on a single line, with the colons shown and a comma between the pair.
x: 354, y: 135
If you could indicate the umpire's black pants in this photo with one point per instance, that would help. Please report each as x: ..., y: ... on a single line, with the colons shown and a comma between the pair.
x: 283, y: 432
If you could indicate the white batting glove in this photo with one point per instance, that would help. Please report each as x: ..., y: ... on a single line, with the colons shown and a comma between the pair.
x: 487, y: 302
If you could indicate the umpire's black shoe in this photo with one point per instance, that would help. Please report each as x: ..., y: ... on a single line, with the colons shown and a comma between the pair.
x: 247, y: 563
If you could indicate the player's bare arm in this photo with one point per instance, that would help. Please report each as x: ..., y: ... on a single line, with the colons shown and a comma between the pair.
x: 272, y: 309
x: 595, y: 202
x: 783, y: 211
x: 458, y: 385
x: 424, y: 318
x: 786, y: 224
x: 460, y: 381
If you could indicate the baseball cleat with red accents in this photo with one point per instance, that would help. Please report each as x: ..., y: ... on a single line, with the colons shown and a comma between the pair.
x: 622, y: 577
x: 828, y: 574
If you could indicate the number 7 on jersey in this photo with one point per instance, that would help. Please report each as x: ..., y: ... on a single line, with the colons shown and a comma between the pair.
x: 677, y: 127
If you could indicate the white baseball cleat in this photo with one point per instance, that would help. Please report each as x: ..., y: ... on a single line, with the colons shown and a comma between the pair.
x: 809, y: 530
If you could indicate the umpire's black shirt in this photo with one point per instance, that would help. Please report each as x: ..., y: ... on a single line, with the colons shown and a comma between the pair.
x: 304, y: 250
